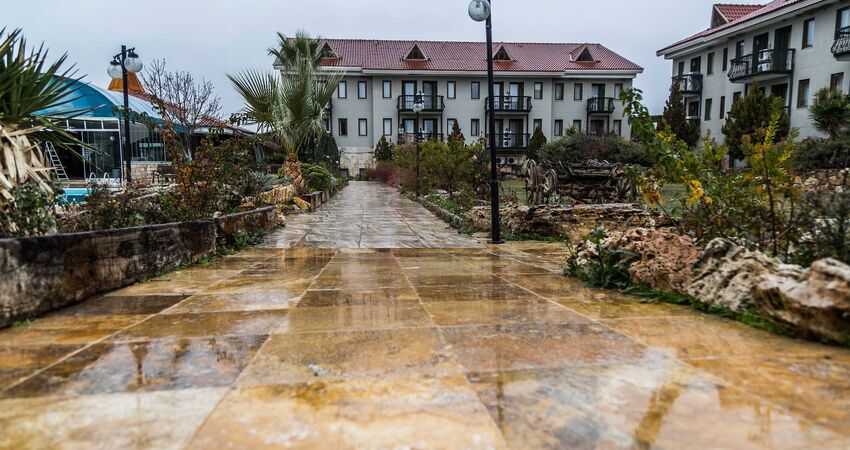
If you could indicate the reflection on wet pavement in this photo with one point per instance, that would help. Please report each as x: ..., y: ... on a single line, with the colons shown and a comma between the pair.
x: 480, y: 347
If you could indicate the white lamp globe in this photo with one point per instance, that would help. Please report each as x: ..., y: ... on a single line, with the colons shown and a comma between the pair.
x: 418, y: 103
x: 114, y: 70
x: 133, y: 63
x: 479, y: 10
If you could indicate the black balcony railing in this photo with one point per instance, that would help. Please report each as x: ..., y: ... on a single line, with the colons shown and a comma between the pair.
x: 689, y: 83
x: 511, y: 140
x: 841, y: 46
x: 431, y: 102
x: 763, y: 62
x: 510, y: 103
x: 407, y: 138
x: 600, y: 105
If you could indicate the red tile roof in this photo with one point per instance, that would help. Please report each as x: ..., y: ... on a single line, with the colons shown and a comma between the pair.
x: 471, y: 56
x: 773, y: 6
x: 734, y: 12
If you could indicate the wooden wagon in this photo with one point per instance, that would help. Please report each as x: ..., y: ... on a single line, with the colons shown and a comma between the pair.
x: 588, y: 182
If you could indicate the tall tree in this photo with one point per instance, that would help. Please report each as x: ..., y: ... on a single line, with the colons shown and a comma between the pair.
x: 456, y: 135
x: 538, y: 140
x: 184, y: 102
x: 383, y: 151
x: 302, y: 45
x: 750, y: 117
x: 675, y: 117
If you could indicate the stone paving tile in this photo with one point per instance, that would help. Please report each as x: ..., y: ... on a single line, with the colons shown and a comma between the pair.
x: 358, y: 317
x: 155, y: 420
x: 250, y: 301
x: 496, y: 313
x: 242, y: 323
x: 20, y: 361
x: 67, y: 330
x: 388, y: 412
x: 299, y: 358
x: 348, y: 297
x: 175, y: 363
x: 497, y: 291
x: 119, y: 306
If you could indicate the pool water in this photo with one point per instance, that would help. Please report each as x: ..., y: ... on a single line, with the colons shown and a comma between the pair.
x: 74, y: 195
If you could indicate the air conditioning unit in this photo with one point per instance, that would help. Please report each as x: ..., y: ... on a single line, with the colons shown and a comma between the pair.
x: 500, y: 161
x: 511, y: 161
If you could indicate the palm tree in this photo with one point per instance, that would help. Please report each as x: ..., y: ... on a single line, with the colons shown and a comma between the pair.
x: 28, y: 84
x: 830, y: 112
x: 288, y: 108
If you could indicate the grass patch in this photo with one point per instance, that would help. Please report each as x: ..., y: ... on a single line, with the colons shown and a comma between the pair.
x: 448, y: 204
x: 534, y: 237
x: 23, y: 322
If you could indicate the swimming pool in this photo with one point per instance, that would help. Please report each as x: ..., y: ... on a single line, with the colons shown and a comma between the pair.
x: 74, y: 195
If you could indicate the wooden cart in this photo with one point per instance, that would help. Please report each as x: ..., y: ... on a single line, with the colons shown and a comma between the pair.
x: 588, y: 182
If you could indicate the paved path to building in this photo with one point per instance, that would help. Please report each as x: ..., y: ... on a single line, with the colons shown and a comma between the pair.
x: 369, y: 215
x: 471, y: 348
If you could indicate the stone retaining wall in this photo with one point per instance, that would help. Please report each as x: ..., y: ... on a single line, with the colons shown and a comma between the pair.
x: 44, y: 273
x: 457, y: 222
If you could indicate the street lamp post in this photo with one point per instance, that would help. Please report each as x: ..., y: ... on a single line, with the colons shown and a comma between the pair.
x: 418, y: 106
x: 479, y: 10
x: 121, y: 65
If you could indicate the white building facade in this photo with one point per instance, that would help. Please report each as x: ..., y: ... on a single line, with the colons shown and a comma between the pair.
x: 551, y: 86
x: 788, y: 48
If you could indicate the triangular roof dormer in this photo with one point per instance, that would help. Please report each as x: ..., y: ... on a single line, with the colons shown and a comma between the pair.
x: 585, y: 56
x: 326, y: 51
x: 502, y: 54
x: 415, y: 54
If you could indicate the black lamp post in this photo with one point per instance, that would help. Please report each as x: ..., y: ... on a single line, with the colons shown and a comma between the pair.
x: 418, y: 106
x: 121, y: 65
x: 479, y: 10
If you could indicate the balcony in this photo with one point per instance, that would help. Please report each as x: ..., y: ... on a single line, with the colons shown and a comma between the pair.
x: 433, y: 103
x: 511, y: 141
x: 841, y: 46
x: 510, y: 104
x: 410, y: 138
x: 763, y: 65
x: 600, y: 105
x: 689, y: 83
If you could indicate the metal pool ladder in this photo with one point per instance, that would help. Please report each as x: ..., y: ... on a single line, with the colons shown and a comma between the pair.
x: 50, y: 152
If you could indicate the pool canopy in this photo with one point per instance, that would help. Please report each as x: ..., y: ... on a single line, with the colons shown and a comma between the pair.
x: 100, y: 103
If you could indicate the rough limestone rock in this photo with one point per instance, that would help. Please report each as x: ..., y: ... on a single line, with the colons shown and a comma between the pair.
x: 301, y: 204
x: 571, y: 222
x: 279, y: 195
x: 665, y: 258
x: 816, y: 302
x: 726, y: 274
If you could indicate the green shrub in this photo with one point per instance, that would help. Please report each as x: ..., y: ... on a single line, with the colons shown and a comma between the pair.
x: 675, y: 118
x: 820, y: 154
x: 30, y: 212
x: 383, y: 150
x: 537, y: 141
x: 579, y: 147
x: 749, y: 119
x: 317, y: 177
x: 830, y: 112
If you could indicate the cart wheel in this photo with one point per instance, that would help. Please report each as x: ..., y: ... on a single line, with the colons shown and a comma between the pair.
x: 550, y: 182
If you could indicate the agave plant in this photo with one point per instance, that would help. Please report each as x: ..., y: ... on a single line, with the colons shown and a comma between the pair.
x: 830, y: 112
x: 29, y: 84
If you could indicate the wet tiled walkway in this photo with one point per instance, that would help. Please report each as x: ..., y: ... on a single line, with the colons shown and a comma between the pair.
x: 471, y: 348
x: 369, y: 215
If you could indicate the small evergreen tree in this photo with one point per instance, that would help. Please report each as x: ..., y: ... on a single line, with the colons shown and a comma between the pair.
x: 383, y: 151
x: 830, y: 112
x: 538, y: 140
x: 750, y: 116
x: 456, y: 135
x: 675, y: 118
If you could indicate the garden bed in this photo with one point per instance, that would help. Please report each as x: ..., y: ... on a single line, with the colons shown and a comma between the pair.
x: 40, y: 274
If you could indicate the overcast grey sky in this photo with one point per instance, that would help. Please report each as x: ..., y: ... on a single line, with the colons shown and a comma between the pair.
x: 214, y: 37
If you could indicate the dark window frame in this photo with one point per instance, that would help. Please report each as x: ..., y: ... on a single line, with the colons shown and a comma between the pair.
x: 803, y: 102
x: 384, y: 92
x: 709, y: 103
x: 365, y: 124
x: 537, y: 123
x: 451, y: 90
x: 362, y: 90
x: 475, y: 90
x: 559, y: 128
x: 725, y: 64
x: 559, y: 91
x: 578, y: 92
x: 386, y: 119
x: 449, y: 125
x: 837, y: 86
x: 475, y: 127
x: 808, y: 29
x: 722, y: 114
x: 342, y: 89
x: 617, y: 127
x: 577, y: 124
x: 538, y: 90
x: 709, y: 64
x: 342, y: 126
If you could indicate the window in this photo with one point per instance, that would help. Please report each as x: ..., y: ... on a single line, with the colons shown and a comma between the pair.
x: 361, y: 89
x: 739, y: 49
x: 617, y: 127
x: 803, y: 94
x: 559, y: 91
x: 559, y: 127
x: 722, y: 108
x: 578, y: 91
x: 538, y: 123
x: 343, y: 127
x: 450, y: 124
x: 735, y: 97
x: 836, y: 82
x: 693, y: 110
x: 577, y: 125
x: 451, y: 90
x: 618, y: 90
x: 708, y: 102
x: 388, y: 127
x: 710, y: 64
x: 809, y: 33
x: 388, y: 89
x: 842, y: 21
x: 342, y: 89
x: 696, y: 64
x: 681, y: 70
x: 475, y: 89
x: 362, y: 127
x: 725, y: 63
x: 475, y: 127
x: 538, y: 90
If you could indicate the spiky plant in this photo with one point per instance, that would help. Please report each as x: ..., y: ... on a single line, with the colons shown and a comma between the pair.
x: 29, y: 84
x: 830, y: 112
